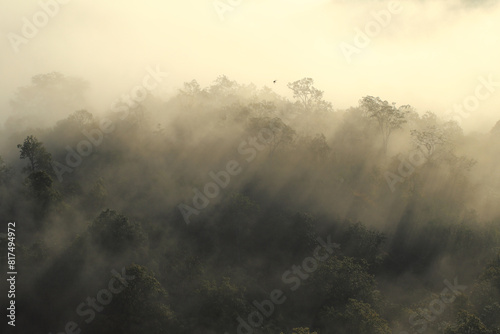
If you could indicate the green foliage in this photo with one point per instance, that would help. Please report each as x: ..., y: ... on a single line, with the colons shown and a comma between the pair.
x: 361, y: 242
x: 337, y: 280
x: 220, y: 303
x: 326, y: 172
x: 39, y: 159
x: 40, y: 183
x: 467, y: 323
x: 142, y: 307
x: 114, y: 233
x: 355, y: 317
x: 40, y: 188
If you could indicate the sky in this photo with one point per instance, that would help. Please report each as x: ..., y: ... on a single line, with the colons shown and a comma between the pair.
x: 428, y: 54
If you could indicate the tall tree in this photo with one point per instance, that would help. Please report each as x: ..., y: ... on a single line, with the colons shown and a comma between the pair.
x: 39, y: 159
x: 115, y: 234
x: 387, y: 116
x: 142, y: 307
x: 309, y: 97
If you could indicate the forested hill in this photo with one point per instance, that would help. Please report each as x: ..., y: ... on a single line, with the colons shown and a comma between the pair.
x: 230, y: 208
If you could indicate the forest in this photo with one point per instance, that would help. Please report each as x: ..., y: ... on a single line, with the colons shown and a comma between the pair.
x: 232, y: 209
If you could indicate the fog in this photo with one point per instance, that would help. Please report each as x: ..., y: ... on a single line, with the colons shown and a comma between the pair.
x: 195, y: 153
x: 429, y: 55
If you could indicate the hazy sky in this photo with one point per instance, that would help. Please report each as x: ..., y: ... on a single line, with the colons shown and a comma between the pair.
x: 429, y: 55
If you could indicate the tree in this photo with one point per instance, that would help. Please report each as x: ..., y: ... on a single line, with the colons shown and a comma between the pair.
x: 142, y: 307
x: 315, y: 148
x: 96, y: 197
x: 39, y: 158
x: 40, y: 185
x: 39, y: 180
x: 433, y: 137
x: 467, y: 323
x: 219, y: 304
x: 309, y: 97
x: 223, y: 86
x: 361, y: 242
x: 263, y: 108
x: 282, y: 134
x: 388, y: 117
x: 114, y: 233
x: 237, y: 220
x: 190, y: 93
x: 427, y: 139
x: 336, y: 280
x: 191, y: 89
x: 82, y: 118
x: 356, y: 317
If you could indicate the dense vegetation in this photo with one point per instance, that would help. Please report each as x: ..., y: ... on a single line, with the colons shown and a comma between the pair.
x: 215, y: 211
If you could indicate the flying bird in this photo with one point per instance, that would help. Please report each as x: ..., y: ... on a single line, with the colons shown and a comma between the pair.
x: 274, y: 81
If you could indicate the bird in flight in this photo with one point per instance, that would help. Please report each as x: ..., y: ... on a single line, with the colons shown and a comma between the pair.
x: 274, y: 81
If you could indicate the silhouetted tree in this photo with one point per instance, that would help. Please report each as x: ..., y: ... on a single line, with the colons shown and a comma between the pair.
x: 388, y: 117
x: 309, y: 97
x: 39, y: 159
